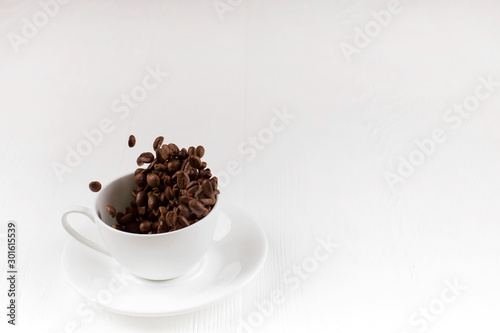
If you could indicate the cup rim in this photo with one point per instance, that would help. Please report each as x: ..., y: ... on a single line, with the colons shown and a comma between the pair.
x: 216, y: 205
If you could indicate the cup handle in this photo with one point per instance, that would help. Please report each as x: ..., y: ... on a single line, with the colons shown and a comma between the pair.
x: 90, y: 214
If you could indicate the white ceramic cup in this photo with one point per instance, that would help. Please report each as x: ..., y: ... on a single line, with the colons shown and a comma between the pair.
x: 154, y: 257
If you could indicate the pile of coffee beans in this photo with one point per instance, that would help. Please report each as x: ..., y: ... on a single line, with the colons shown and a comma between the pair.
x: 175, y: 190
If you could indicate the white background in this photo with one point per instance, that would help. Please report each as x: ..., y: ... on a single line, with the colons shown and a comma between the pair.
x: 322, y: 176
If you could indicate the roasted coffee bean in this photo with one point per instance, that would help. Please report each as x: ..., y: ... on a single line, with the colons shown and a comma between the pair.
x: 163, y: 227
x: 196, y: 207
x: 159, y: 158
x: 205, y: 173
x: 119, y: 216
x: 153, y: 202
x: 151, y: 216
x: 118, y: 227
x: 169, y: 193
x: 207, y: 188
x: 191, y: 151
x: 174, y: 217
x: 134, y: 193
x: 138, y: 170
x: 204, y: 213
x: 164, y: 152
x: 145, y: 226
x: 155, y: 225
x: 173, y: 166
x: 157, y: 143
x: 133, y: 227
x: 153, y: 180
x: 182, y: 180
x: 192, y: 184
x: 151, y: 165
x: 160, y: 167
x: 184, y: 210
x: 185, y: 199
x: 111, y: 210
x: 192, y: 190
x: 203, y: 165
x: 184, y: 165
x: 95, y: 186
x: 127, y: 218
x: 141, y: 199
x: 182, y: 221
x: 131, y: 141
x: 145, y: 158
x: 199, y: 193
x: 192, y: 173
x: 200, y: 151
x: 215, y: 182
x: 134, y: 211
x: 195, y: 161
x: 183, y: 154
x: 141, y: 210
x: 140, y: 179
x: 208, y: 201
x: 171, y: 216
x: 174, y: 150
x: 167, y: 180
x: 131, y: 210
x: 163, y: 211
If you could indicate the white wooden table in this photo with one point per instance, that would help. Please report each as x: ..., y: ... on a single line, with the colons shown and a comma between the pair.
x: 359, y: 102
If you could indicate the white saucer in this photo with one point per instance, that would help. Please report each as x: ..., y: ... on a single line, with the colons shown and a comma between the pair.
x: 238, y: 253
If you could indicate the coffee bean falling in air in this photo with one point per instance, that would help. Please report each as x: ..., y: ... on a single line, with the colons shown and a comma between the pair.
x: 111, y: 210
x: 95, y: 186
x: 131, y: 141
